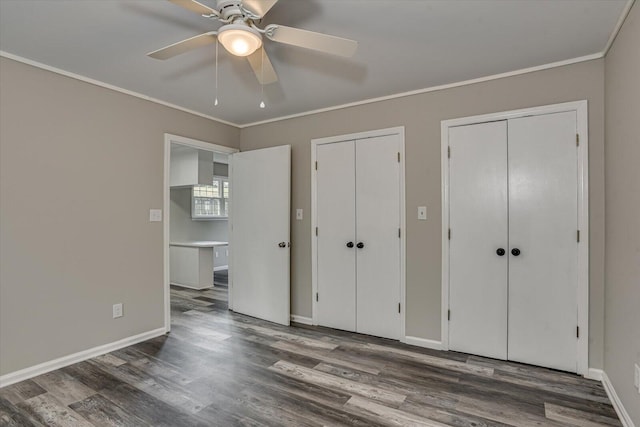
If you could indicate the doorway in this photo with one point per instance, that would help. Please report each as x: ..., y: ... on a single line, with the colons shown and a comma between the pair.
x: 196, y: 245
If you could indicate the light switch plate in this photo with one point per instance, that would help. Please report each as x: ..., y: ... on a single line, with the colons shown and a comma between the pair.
x: 636, y: 376
x: 422, y: 213
x: 117, y: 310
x: 299, y: 214
x: 155, y: 215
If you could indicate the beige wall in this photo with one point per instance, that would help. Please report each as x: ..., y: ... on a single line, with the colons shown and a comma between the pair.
x: 421, y: 116
x: 622, y: 291
x: 80, y: 167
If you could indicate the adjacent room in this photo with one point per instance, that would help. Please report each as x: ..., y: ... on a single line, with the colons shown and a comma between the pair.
x: 320, y: 213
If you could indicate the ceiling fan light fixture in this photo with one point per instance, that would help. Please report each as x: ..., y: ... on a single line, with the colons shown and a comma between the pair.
x: 239, y: 39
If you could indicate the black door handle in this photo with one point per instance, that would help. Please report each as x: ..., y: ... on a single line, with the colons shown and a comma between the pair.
x: 515, y: 251
x: 350, y: 244
x: 282, y: 245
x: 500, y: 252
x: 360, y: 245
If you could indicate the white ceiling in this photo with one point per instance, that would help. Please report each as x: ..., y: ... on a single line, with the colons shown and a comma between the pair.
x: 404, y: 45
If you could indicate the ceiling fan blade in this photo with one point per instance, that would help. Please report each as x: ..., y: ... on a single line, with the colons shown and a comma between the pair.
x: 258, y: 7
x: 311, y: 40
x: 268, y: 74
x: 196, y: 7
x: 184, y: 46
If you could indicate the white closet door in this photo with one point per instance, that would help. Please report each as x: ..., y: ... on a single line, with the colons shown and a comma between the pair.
x: 336, y: 276
x: 260, y: 209
x: 377, y: 225
x: 543, y: 188
x: 478, y: 222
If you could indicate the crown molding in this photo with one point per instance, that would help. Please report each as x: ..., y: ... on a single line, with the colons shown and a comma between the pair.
x: 434, y: 88
x: 99, y: 83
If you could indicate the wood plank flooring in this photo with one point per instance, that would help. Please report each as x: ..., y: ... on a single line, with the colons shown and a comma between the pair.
x: 217, y: 368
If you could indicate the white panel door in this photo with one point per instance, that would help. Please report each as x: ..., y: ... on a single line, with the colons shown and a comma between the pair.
x: 543, y: 188
x: 377, y: 225
x: 478, y: 222
x: 336, y: 211
x: 260, y: 209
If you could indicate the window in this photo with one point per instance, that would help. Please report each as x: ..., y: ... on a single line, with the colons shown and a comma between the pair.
x: 211, y: 201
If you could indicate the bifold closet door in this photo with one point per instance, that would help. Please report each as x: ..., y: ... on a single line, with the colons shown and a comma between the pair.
x: 543, y: 212
x: 336, y: 219
x: 378, y: 243
x: 478, y: 246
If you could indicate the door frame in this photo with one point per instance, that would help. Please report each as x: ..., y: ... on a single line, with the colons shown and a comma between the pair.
x: 582, y: 297
x: 399, y: 130
x: 166, y: 206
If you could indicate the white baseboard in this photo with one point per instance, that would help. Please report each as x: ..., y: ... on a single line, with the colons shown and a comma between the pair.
x: 423, y: 342
x: 594, y: 374
x: 301, y: 319
x: 221, y: 267
x: 52, y: 365
x: 624, y: 416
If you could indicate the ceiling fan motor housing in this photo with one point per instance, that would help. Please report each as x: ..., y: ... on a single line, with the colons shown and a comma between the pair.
x: 230, y: 8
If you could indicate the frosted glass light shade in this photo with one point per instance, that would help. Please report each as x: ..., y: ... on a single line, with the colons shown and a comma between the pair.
x: 239, y: 40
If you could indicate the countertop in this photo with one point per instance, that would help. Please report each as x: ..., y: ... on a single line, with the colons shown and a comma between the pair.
x: 199, y: 244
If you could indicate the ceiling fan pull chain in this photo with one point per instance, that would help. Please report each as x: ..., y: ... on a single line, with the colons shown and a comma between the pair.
x: 215, y: 103
x: 262, y: 104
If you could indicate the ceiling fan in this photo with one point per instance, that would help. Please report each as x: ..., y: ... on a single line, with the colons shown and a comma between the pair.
x: 240, y: 35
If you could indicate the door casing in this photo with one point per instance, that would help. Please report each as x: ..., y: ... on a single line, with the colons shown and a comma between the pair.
x: 314, y: 246
x: 581, y: 110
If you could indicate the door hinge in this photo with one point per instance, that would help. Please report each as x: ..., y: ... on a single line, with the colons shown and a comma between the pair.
x: 316, y: 231
x: 578, y: 236
x: 449, y: 152
x: 449, y: 234
x: 577, y: 331
x: 316, y: 165
x: 317, y: 299
x: 577, y: 140
x: 448, y: 314
x: 398, y: 157
x: 399, y: 233
x: 398, y: 307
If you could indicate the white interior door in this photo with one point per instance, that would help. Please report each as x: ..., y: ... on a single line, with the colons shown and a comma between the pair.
x: 377, y: 227
x: 478, y: 222
x: 260, y: 209
x: 336, y: 211
x: 543, y: 212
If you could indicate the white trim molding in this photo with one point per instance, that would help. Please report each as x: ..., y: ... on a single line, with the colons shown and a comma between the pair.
x: 85, y: 79
x: 99, y: 83
x: 624, y: 416
x: 616, y: 30
x: 594, y: 374
x: 303, y: 320
x: 61, y: 362
x: 580, y: 108
x: 166, y: 205
x: 399, y: 130
x: 434, y: 88
x: 423, y: 342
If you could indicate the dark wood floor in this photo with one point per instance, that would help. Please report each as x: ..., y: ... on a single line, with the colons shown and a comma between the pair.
x: 217, y: 368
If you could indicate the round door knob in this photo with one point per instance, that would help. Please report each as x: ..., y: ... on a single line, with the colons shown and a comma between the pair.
x: 350, y: 244
x: 282, y: 245
x: 515, y: 251
x: 500, y: 252
x: 360, y: 245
